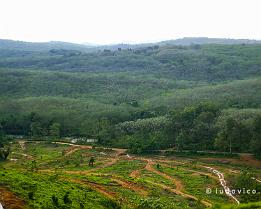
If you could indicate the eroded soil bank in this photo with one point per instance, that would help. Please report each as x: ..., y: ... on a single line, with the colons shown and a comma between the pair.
x: 9, y: 200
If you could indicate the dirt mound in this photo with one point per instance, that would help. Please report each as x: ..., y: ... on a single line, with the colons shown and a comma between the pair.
x: 10, y: 201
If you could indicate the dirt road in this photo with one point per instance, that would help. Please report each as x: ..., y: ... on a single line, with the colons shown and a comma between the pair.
x: 179, y: 186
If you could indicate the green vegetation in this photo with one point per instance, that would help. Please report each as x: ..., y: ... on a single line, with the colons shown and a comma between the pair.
x: 46, y: 191
x: 192, y: 101
x: 142, y: 99
x: 241, y: 206
x: 52, y: 175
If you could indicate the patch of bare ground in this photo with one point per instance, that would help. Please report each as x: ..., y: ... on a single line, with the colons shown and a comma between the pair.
x: 194, y: 172
x: 250, y: 160
x: 85, y: 172
x: 22, y: 144
x: 10, y: 201
x: 131, y: 186
x: 70, y: 151
x: 135, y: 173
x: 95, y: 186
x: 23, y: 148
x: 119, y: 181
x: 244, y: 159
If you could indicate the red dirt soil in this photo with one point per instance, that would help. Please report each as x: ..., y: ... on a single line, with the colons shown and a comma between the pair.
x: 179, y: 186
x: 10, y: 201
x: 245, y: 159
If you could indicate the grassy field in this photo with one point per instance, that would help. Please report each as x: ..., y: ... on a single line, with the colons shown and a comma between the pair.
x: 53, y: 175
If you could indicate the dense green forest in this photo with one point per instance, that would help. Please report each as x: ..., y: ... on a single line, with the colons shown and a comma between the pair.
x: 157, y: 96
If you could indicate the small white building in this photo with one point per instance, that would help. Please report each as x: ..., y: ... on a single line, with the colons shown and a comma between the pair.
x: 75, y: 140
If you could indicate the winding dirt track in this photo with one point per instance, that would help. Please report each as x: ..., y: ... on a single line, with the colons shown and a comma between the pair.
x: 108, y: 164
x: 179, y: 187
x: 86, y: 172
x: 150, y: 167
x: 135, y: 173
x: 96, y: 187
x: 71, y: 151
x: 117, y: 150
x: 196, y: 172
x: 74, y: 145
x: 131, y: 186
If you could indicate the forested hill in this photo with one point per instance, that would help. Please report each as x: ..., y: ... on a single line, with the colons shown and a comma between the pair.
x: 194, y: 63
x: 39, y: 46
x: 147, y: 97
x: 204, y: 40
x: 6, y: 44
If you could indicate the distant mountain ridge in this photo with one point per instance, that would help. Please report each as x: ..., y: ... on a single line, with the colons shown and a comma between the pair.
x: 6, y: 44
x: 205, y: 40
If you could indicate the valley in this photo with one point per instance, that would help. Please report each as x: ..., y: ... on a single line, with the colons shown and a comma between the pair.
x: 167, y: 125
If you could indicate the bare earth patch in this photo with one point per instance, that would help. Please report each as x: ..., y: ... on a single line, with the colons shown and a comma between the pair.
x: 10, y: 201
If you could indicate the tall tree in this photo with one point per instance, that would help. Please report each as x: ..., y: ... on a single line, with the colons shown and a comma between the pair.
x: 255, y: 144
x: 36, y: 129
x: 55, y: 130
x: 233, y: 136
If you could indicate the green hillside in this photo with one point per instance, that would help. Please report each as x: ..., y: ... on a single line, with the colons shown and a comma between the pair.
x: 195, y: 62
x: 86, y: 92
x: 157, y: 119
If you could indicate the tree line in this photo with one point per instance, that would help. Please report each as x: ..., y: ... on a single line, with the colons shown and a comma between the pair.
x: 195, y: 128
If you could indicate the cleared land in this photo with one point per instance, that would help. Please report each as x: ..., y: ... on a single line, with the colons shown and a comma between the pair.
x: 50, y: 175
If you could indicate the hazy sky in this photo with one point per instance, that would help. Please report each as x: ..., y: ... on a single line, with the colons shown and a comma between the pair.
x: 132, y: 21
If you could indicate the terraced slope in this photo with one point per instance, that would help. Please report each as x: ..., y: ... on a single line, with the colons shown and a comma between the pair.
x: 43, y: 175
